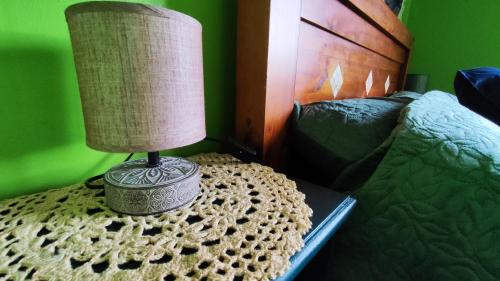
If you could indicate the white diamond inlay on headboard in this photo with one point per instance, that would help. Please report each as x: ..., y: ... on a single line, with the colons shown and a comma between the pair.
x: 336, y: 80
x: 369, y: 83
x: 387, y: 83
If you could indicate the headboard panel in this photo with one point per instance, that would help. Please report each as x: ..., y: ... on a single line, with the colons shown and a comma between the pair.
x: 336, y: 17
x: 311, y: 50
x: 330, y: 67
x: 377, y: 12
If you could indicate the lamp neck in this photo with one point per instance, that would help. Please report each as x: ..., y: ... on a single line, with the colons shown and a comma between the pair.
x: 153, y: 159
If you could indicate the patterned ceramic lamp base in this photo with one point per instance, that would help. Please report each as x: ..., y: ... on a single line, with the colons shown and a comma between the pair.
x: 134, y: 189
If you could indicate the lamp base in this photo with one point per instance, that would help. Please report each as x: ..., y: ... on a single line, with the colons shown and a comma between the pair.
x: 134, y: 188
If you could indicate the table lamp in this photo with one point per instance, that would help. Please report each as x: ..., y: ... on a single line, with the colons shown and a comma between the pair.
x: 140, y: 75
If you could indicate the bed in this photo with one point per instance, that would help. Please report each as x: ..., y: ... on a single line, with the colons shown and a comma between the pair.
x: 301, y: 51
x: 428, y: 190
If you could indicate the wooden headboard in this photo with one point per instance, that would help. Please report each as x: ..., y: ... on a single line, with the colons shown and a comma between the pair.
x: 307, y: 51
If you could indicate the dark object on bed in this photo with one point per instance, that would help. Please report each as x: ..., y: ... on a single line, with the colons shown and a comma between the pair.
x: 416, y: 83
x: 395, y: 5
x: 329, y: 136
x: 479, y: 90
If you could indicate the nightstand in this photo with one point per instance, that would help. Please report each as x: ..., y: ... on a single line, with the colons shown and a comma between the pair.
x: 330, y: 210
x: 245, y: 225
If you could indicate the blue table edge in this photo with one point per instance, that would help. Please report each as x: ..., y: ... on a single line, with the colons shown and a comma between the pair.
x: 317, y: 238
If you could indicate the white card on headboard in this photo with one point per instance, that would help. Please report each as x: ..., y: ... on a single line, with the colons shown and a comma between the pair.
x: 387, y: 83
x: 336, y: 81
x: 369, y: 83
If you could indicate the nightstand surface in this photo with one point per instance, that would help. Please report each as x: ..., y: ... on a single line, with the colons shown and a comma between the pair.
x: 330, y: 211
x: 246, y: 224
x: 70, y: 233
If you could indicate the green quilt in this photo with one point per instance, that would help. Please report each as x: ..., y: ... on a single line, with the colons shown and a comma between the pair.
x: 431, y: 210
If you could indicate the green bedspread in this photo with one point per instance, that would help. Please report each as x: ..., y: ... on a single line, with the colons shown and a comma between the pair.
x: 431, y: 210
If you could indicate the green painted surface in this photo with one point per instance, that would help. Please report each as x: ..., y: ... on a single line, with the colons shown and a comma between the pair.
x: 42, y: 135
x: 218, y: 18
x: 405, y: 11
x: 451, y: 35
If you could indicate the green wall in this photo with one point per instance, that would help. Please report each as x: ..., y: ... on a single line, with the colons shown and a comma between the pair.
x: 42, y: 137
x: 405, y: 11
x: 218, y: 18
x: 451, y: 35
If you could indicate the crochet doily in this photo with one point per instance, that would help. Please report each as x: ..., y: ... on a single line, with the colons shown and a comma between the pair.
x: 245, y: 225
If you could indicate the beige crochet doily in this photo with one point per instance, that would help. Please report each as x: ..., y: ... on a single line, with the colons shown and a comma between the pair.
x: 245, y: 225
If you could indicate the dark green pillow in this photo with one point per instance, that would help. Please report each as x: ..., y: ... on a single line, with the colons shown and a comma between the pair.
x: 328, y: 136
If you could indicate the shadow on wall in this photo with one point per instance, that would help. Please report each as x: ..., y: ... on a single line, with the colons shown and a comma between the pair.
x: 33, y: 109
x: 218, y: 19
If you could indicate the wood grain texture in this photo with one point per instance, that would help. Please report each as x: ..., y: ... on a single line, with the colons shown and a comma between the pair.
x: 380, y: 14
x: 289, y: 50
x: 266, y: 62
x: 251, y: 72
x: 318, y: 56
x: 281, y: 69
x: 339, y: 19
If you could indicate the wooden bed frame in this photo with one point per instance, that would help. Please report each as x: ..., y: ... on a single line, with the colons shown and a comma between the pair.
x: 307, y: 51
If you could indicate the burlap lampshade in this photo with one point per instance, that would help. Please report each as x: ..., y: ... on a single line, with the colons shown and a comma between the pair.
x: 140, y: 75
